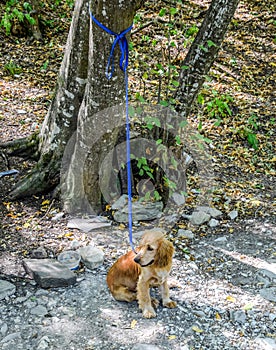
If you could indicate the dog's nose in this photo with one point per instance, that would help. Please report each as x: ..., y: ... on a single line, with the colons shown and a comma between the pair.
x: 137, y: 259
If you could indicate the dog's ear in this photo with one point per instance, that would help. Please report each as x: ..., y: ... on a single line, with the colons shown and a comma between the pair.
x: 164, y: 253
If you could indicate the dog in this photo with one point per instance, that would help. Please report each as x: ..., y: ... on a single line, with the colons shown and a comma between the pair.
x: 132, y: 275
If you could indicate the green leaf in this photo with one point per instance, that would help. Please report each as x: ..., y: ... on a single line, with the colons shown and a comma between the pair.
x: 162, y: 12
x: 173, y: 10
x: 210, y: 43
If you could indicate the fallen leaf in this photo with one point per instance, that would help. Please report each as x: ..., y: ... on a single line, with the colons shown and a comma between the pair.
x: 133, y: 324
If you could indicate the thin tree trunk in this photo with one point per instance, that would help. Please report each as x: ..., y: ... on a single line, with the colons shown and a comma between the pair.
x: 203, y: 52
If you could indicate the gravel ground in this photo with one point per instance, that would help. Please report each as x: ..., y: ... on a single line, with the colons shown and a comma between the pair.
x: 224, y: 286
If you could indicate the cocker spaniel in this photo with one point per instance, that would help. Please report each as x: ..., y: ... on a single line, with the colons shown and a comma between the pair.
x: 132, y: 275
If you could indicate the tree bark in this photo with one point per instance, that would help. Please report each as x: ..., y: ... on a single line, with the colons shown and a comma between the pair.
x: 79, y: 115
x: 203, y: 52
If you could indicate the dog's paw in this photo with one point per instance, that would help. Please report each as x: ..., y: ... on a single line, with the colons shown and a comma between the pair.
x: 149, y: 313
x: 170, y: 304
x: 154, y: 302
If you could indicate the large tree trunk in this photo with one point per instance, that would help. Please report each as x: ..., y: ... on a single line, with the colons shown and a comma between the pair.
x: 78, y: 117
x: 203, y: 52
x: 85, y: 43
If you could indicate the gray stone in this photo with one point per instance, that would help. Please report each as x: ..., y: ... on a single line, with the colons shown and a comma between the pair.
x: 199, y: 217
x: 221, y: 239
x: 233, y: 214
x: 58, y: 216
x: 238, y: 316
x: 268, y: 293
x: 39, y: 310
x: 209, y: 210
x: 145, y: 347
x: 11, y: 337
x: 43, y: 343
x: 49, y: 273
x: 4, y: 329
x: 39, y: 253
x: 178, y: 198
x: 185, y: 234
x: 92, y: 257
x: 6, y: 289
x: 120, y: 203
x: 141, y: 211
x: 266, y: 343
x: 213, y: 223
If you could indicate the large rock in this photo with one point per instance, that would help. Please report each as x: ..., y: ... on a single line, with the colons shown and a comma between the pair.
x: 6, y: 289
x: 199, y: 217
x: 92, y: 257
x: 49, y: 273
x: 141, y: 211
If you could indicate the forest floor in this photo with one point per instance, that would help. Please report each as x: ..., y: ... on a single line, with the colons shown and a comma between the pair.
x: 224, y: 277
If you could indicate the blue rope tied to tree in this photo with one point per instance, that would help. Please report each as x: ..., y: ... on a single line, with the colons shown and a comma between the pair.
x: 123, y: 45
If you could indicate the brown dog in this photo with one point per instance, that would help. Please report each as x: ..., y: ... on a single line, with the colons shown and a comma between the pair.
x: 131, y: 276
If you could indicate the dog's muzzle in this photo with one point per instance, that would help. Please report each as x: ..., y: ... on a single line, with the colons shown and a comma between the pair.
x: 137, y: 259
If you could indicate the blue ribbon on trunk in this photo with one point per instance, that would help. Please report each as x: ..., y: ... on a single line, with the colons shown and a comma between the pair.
x: 121, y: 40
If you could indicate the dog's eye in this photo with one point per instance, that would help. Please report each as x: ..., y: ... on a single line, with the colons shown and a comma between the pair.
x: 150, y: 248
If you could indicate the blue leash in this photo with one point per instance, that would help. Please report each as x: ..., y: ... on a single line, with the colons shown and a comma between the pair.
x: 123, y: 44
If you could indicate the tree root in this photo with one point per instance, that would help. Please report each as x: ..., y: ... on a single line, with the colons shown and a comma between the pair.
x: 43, y: 178
x: 26, y: 147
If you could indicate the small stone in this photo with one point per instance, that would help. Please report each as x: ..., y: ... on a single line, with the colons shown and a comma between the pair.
x: 238, y: 316
x: 6, y: 289
x: 92, y: 257
x: 58, y: 216
x: 213, y: 223
x: 199, y: 217
x: 185, y: 234
x: 178, y: 198
x: 43, y: 343
x: 233, y: 214
x: 39, y: 253
x: 221, y: 239
x: 141, y: 211
x: 11, y: 337
x: 4, y: 329
x: 268, y: 293
x: 120, y: 203
x: 39, y: 310
x: 49, y: 273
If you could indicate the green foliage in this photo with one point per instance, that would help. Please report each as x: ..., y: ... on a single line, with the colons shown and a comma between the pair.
x: 15, y: 10
x: 12, y: 68
x: 248, y: 131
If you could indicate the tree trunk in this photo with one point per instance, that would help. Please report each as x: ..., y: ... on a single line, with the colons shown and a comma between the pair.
x: 203, y: 52
x: 82, y: 114
x: 82, y: 90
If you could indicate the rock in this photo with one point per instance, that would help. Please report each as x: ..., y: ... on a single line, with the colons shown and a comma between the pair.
x: 49, y: 273
x: 178, y: 198
x: 43, y: 343
x: 39, y: 253
x: 213, y: 223
x: 185, y: 234
x: 39, y: 310
x: 6, y: 289
x: 4, y: 329
x: 266, y: 343
x: 88, y: 225
x: 221, y: 239
x: 141, y: 211
x: 120, y: 203
x: 209, y: 210
x: 233, y: 214
x: 238, y: 316
x: 92, y: 257
x: 145, y: 347
x: 268, y: 293
x: 58, y: 216
x: 199, y: 217
x: 11, y: 337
